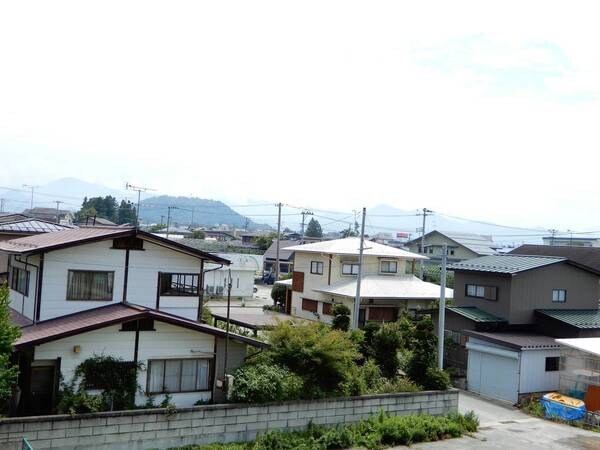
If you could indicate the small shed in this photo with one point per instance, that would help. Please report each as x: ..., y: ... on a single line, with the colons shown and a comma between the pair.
x: 580, y: 370
x: 505, y: 366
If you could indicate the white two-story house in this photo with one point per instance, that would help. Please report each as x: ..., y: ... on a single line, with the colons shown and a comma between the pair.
x: 325, y: 273
x: 119, y: 292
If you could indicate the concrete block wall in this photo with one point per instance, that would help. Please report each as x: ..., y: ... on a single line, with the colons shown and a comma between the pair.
x: 154, y: 428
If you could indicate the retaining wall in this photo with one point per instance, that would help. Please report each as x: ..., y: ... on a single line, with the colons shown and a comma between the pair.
x: 158, y: 429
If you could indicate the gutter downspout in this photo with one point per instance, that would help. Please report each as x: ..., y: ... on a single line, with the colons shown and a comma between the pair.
x: 201, y: 289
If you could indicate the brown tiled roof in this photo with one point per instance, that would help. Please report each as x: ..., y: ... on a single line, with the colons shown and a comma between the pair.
x: 585, y: 256
x: 19, y: 319
x: 92, y: 319
x: 69, y: 238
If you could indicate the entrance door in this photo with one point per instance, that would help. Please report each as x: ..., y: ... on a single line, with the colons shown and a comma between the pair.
x: 42, y: 389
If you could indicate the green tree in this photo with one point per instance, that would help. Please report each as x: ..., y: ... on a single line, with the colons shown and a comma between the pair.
x: 347, y: 233
x: 198, y: 234
x: 385, y: 344
x: 126, y: 213
x: 314, y: 229
x: 105, y: 207
x: 278, y: 294
x: 424, y: 351
x: 264, y: 242
x: 8, y: 334
x: 341, y: 317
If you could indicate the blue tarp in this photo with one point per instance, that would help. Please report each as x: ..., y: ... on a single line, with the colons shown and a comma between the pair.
x: 558, y: 410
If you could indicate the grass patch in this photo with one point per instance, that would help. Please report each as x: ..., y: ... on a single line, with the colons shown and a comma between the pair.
x: 380, y: 431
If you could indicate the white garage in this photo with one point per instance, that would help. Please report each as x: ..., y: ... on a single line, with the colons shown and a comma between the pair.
x: 505, y: 365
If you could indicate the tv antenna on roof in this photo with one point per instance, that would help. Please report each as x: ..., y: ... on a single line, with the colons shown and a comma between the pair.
x: 139, y: 190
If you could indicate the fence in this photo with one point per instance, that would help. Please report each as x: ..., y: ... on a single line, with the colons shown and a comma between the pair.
x: 160, y: 428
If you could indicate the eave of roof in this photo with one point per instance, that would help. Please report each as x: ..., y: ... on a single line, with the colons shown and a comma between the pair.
x: 578, y: 318
x: 516, y: 341
x: 104, y: 316
x: 475, y: 314
x: 506, y: 264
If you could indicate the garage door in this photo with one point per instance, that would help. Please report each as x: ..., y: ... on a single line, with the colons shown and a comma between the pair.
x: 493, y: 372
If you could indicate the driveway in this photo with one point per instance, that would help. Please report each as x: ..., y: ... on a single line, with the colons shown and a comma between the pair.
x: 504, y: 427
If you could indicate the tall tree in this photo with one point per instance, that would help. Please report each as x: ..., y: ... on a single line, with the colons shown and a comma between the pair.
x: 127, y: 213
x: 314, y: 229
x: 105, y: 207
x: 8, y: 334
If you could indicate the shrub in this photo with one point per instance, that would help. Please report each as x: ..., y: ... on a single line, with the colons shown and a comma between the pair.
x: 278, y: 294
x: 362, y: 379
x: 74, y: 401
x: 436, y: 379
x: 385, y: 344
x: 8, y: 334
x: 369, y: 329
x: 265, y: 383
x: 321, y: 356
x: 399, y: 384
x: 341, y: 317
x: 424, y: 351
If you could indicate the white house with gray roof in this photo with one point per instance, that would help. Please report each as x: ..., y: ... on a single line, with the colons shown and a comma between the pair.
x: 460, y: 246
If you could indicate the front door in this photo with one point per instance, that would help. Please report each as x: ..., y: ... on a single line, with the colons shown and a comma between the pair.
x: 42, y: 389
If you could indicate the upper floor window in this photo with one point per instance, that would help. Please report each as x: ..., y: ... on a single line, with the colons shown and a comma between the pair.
x: 389, y: 267
x: 90, y: 285
x: 478, y: 291
x: 179, y: 284
x: 19, y: 280
x: 349, y: 268
x: 316, y: 267
x: 451, y: 251
x: 559, y: 295
x: 138, y: 325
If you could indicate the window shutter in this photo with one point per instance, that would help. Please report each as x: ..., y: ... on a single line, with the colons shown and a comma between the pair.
x: 328, y: 309
x: 309, y: 305
x: 298, y: 281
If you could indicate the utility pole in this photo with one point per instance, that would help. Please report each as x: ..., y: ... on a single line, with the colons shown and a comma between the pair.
x: 139, y: 190
x: 246, y: 224
x: 304, y: 213
x: 553, y: 235
x: 58, y: 202
x: 359, y: 276
x: 32, y: 188
x: 2, y: 205
x: 192, y: 224
x: 426, y: 212
x: 442, y: 308
x: 162, y: 219
x: 169, y: 208
x: 227, y: 328
x: 278, y: 239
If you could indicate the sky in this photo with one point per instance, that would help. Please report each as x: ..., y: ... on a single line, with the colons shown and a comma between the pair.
x: 487, y: 110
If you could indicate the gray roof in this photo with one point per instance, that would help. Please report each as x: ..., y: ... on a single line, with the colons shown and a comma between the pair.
x: 515, y: 340
x: 586, y: 256
x: 475, y: 314
x: 578, y: 318
x: 220, y: 247
x: 31, y: 226
x: 507, y: 264
x: 477, y: 243
x: 284, y: 255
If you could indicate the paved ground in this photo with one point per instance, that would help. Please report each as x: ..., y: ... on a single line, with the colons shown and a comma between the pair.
x: 504, y: 427
x: 260, y: 298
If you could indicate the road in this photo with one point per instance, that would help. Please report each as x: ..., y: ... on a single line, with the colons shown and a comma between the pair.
x: 504, y: 427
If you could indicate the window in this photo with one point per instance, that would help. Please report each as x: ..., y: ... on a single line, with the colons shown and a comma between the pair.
x: 451, y: 251
x: 179, y: 284
x: 552, y: 363
x: 349, y: 268
x: 389, y: 266
x: 128, y: 243
x: 19, y: 280
x: 477, y: 291
x: 90, y: 285
x: 382, y: 314
x: 309, y: 305
x: 328, y: 309
x: 178, y: 375
x: 316, y: 267
x: 145, y: 325
x: 559, y: 295
x: 430, y: 250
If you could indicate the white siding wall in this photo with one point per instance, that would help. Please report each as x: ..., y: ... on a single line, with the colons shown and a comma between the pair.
x: 534, y: 377
x: 168, y: 341
x: 93, y: 256
x: 19, y: 302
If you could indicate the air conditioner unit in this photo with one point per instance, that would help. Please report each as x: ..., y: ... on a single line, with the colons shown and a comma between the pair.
x: 210, y: 289
x: 220, y: 290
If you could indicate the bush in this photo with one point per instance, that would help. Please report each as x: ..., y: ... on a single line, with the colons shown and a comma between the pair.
x: 265, y: 383
x: 362, y: 379
x: 74, y: 401
x: 341, y: 317
x: 323, y: 357
x: 436, y: 379
x: 399, y: 384
x: 385, y: 344
x: 278, y: 292
x: 424, y: 351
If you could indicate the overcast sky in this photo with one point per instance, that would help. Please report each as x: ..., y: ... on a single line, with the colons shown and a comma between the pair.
x: 480, y: 109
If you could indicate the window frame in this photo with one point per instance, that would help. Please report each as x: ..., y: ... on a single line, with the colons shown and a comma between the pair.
x: 14, y: 285
x: 146, y: 324
x: 484, y: 290
x: 111, y: 274
x: 178, y: 293
x: 388, y: 261
x: 209, y: 380
x: 310, y: 302
x: 559, y: 291
x: 352, y: 265
x: 316, y: 271
x: 329, y: 311
x: 552, y: 364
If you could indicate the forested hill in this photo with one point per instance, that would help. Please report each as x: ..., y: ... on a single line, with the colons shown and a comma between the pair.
x: 204, y: 212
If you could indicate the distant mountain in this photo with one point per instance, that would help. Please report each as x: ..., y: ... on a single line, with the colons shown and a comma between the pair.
x: 203, y: 212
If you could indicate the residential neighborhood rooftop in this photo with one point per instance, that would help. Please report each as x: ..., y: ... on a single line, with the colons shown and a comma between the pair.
x: 284, y: 249
x: 507, y: 264
x: 579, y: 318
x: 60, y: 327
x: 477, y: 243
x: 587, y: 345
x: 31, y: 226
x: 475, y: 314
x: 383, y: 286
x: 516, y: 340
x: 586, y: 256
x: 351, y: 246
